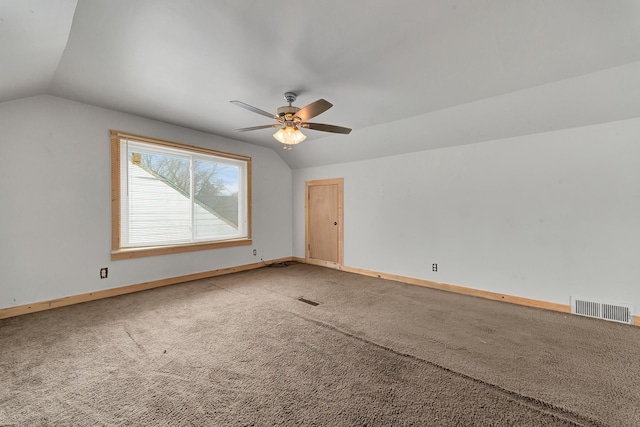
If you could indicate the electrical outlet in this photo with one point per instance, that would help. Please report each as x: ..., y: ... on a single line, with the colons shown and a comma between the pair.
x: 255, y: 252
x: 104, y: 272
x: 434, y: 267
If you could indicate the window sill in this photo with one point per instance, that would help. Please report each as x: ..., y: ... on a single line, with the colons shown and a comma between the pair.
x: 128, y: 253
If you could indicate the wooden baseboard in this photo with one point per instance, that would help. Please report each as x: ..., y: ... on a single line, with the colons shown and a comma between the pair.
x: 563, y: 308
x: 458, y: 289
x: 107, y: 293
x: 464, y: 290
x: 321, y: 263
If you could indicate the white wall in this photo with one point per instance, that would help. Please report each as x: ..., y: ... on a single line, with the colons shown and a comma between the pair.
x: 544, y: 216
x: 55, y: 202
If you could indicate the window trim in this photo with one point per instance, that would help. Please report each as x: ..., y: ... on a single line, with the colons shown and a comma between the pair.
x: 117, y: 251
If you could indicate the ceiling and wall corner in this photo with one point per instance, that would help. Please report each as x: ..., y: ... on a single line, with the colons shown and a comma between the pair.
x: 405, y: 69
x: 33, y: 37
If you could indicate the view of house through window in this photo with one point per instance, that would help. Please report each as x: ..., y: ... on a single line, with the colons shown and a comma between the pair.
x: 172, y: 194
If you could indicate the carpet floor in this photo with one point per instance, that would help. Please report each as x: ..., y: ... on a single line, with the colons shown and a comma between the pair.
x: 244, y: 350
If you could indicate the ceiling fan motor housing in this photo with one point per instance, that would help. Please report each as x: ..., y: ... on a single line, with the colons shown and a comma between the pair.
x: 288, y: 112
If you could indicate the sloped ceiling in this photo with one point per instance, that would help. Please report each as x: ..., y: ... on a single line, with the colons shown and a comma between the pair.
x: 33, y: 36
x: 405, y: 75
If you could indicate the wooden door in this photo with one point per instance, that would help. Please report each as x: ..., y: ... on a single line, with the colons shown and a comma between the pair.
x: 324, y: 222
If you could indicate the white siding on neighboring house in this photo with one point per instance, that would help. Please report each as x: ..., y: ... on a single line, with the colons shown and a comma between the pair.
x: 173, y: 219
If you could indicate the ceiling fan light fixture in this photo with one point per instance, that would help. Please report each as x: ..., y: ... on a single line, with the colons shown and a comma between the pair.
x: 289, y: 135
x: 290, y: 119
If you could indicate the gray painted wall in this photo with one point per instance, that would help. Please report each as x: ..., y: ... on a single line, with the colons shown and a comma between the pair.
x: 55, y: 202
x: 544, y: 216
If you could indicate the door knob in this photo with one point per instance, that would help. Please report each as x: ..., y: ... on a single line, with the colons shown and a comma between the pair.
x: 335, y: 223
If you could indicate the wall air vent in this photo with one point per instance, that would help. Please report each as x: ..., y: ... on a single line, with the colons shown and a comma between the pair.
x: 622, y: 313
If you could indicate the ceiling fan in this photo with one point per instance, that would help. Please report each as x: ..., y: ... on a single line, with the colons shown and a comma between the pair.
x: 290, y: 119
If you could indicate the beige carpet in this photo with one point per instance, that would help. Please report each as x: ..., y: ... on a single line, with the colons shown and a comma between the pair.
x: 243, y: 350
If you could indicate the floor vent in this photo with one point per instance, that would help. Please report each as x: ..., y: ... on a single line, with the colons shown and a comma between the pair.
x: 622, y: 313
x: 308, y: 301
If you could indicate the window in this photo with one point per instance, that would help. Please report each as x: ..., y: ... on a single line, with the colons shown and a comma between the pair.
x: 170, y: 197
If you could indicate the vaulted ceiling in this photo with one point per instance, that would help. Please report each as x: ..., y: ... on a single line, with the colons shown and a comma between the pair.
x: 406, y: 75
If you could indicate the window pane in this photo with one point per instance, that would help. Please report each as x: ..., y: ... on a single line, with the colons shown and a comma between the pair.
x: 216, y: 199
x: 159, y: 198
x: 175, y: 198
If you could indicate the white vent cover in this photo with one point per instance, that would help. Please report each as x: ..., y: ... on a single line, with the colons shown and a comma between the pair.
x: 615, y: 312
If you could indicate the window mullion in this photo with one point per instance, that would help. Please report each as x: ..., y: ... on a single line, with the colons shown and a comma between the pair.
x: 193, y: 199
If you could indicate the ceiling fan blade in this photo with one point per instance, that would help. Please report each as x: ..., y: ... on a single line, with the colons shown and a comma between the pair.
x: 314, y: 109
x: 275, y: 125
x: 326, y: 128
x: 254, y: 109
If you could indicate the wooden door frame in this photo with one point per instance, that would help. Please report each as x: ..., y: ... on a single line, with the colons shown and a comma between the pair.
x: 333, y: 181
